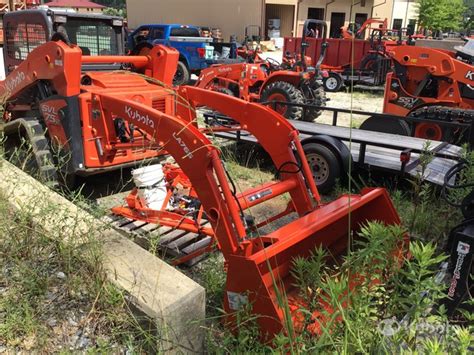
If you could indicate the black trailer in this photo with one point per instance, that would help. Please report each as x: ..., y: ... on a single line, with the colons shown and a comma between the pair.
x: 332, y: 149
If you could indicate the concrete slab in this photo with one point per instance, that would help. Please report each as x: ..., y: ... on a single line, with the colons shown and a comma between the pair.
x: 172, y: 300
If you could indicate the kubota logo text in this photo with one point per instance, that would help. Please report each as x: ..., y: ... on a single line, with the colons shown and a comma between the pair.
x: 137, y: 116
x: 183, y: 145
x: 13, y: 82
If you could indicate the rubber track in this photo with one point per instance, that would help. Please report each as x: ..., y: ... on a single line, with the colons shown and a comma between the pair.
x: 444, y: 114
x: 41, y: 150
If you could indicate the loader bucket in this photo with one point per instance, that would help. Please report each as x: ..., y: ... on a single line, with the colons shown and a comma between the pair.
x: 256, y: 278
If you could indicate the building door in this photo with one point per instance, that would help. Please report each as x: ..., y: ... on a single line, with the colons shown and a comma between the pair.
x: 315, y: 13
x: 360, y: 18
x: 337, y: 21
x: 397, y: 23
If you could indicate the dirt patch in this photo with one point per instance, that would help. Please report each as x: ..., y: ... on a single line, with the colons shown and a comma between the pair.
x: 358, y: 101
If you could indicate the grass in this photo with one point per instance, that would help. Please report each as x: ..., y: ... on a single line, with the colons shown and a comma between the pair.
x: 54, y: 295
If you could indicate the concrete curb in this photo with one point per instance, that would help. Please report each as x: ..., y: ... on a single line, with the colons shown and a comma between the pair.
x: 172, y: 300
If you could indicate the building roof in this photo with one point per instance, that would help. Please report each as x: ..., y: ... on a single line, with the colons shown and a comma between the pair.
x: 74, y: 3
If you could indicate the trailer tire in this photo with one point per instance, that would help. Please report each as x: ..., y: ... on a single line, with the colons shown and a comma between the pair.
x: 324, y: 165
x: 284, y: 91
x: 333, y: 83
x: 182, y: 75
x: 377, y: 124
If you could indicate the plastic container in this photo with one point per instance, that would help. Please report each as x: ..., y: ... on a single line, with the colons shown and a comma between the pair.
x: 151, y: 184
x: 209, y: 54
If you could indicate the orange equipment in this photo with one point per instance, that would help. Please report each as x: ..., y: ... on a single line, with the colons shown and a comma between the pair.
x: 434, y: 89
x: 354, y: 31
x: 49, y: 96
x: 261, y: 81
x: 258, y: 265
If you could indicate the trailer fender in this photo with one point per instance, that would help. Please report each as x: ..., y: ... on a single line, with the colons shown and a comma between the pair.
x: 336, y: 146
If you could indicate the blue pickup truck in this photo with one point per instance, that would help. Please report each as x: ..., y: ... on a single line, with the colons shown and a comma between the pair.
x: 186, y: 39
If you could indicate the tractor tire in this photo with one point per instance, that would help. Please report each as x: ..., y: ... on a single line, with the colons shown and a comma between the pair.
x: 28, y: 149
x: 223, y: 90
x: 377, y: 124
x: 371, y: 62
x: 324, y: 165
x: 333, y: 83
x: 284, y: 91
x: 182, y: 75
x: 319, y: 100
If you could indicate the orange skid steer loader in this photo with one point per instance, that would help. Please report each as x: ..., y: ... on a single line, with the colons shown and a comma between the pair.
x: 258, y: 267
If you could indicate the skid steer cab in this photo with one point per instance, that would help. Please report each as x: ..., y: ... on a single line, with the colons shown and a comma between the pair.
x: 56, y: 64
x: 94, y: 34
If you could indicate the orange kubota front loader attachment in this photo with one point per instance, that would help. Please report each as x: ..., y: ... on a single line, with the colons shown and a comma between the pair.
x: 258, y: 267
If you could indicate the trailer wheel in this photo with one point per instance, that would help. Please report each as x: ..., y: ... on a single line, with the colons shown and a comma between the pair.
x: 377, y: 124
x: 333, y: 83
x: 182, y: 75
x: 324, y: 166
x: 285, y: 92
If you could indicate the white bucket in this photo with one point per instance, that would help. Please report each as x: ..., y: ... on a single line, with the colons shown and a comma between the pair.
x: 151, y: 184
x: 225, y: 52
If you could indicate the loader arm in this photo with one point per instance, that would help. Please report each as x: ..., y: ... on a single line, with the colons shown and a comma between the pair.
x: 61, y: 63
x: 53, y: 61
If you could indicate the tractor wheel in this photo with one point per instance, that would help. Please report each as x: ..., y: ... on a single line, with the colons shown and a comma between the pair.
x: 285, y: 92
x: 223, y: 90
x: 319, y: 99
x: 333, y: 83
x: 371, y: 62
x: 182, y: 75
x: 324, y: 166
x: 377, y: 124
x: 29, y: 150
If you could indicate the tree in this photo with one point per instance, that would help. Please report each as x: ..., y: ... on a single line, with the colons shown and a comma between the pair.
x: 116, y: 4
x: 440, y: 15
x: 111, y: 11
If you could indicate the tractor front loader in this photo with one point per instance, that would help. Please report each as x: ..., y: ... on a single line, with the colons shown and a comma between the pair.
x: 258, y: 263
x: 268, y: 80
x: 49, y: 94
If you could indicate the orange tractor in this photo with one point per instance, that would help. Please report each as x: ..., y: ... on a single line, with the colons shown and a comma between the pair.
x: 433, y: 89
x: 66, y: 100
x: 262, y: 81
